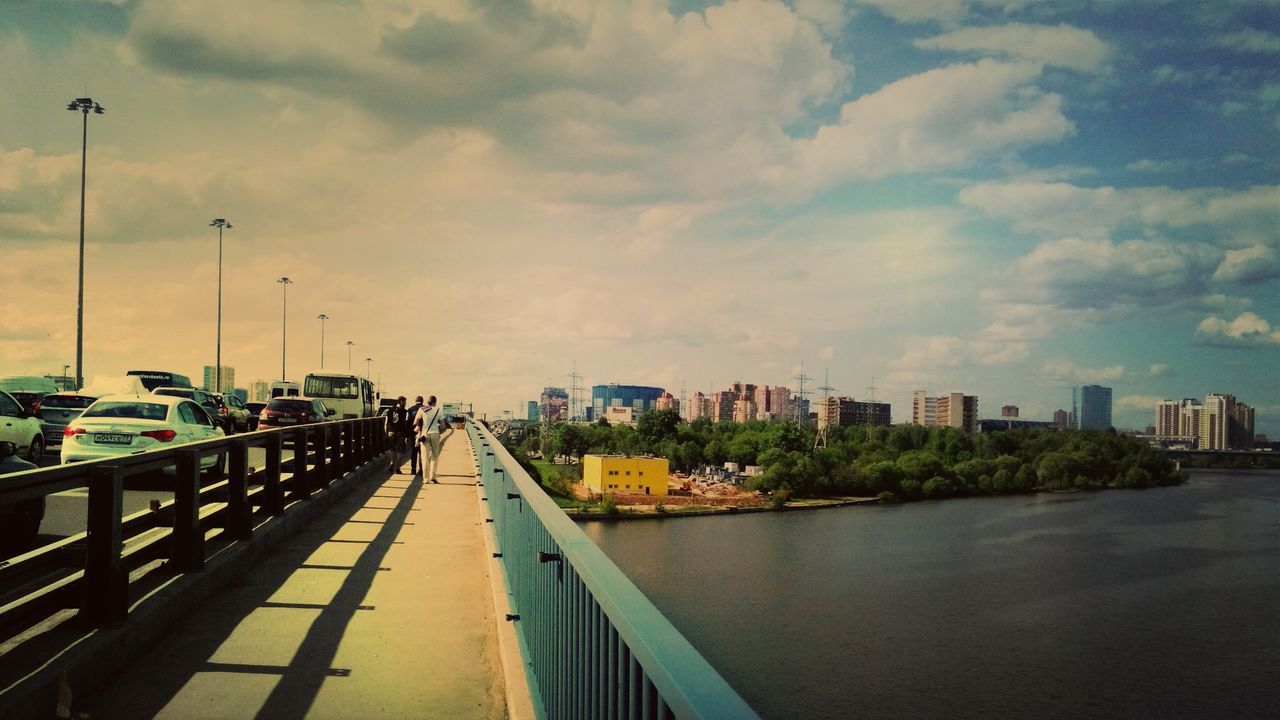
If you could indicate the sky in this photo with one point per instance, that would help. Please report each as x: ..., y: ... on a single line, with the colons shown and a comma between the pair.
x: 1005, y: 198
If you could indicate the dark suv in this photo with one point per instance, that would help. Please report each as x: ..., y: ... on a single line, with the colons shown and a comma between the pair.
x: 290, y: 411
x: 232, y: 408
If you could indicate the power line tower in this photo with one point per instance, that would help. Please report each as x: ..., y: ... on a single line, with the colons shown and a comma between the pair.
x: 871, y: 390
x: 820, y: 440
x: 801, y: 394
x: 575, y: 398
x: 684, y: 407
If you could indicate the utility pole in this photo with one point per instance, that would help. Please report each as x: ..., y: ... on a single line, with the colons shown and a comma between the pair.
x: 801, y: 394
x: 284, y: 321
x: 824, y: 417
x: 84, y: 105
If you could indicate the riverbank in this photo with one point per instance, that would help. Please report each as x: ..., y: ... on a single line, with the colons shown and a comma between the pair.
x: 651, y: 512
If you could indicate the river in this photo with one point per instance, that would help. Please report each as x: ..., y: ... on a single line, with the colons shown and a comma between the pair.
x: 1161, y: 603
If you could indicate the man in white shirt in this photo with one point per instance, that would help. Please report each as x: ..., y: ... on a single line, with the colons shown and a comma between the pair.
x: 427, y: 424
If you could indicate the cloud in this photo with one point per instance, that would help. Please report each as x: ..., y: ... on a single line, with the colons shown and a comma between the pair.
x: 1138, y: 402
x: 1067, y: 371
x: 1246, y: 331
x: 1061, y: 45
x: 1254, y: 264
x: 827, y: 353
x: 1100, y: 274
x: 1248, y: 40
x: 1160, y: 370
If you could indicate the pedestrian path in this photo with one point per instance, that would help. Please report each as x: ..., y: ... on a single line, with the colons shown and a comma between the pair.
x: 381, y: 608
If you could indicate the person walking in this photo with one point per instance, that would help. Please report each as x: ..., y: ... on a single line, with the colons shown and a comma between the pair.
x: 411, y: 419
x: 397, y: 427
x: 428, y: 425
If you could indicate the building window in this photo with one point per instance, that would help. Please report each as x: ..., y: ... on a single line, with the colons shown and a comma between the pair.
x: 640, y: 473
x: 628, y: 472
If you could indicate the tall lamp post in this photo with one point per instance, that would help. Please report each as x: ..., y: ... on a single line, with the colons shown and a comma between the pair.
x: 368, y: 368
x: 84, y: 105
x: 221, y: 224
x: 65, y: 368
x: 322, y: 317
x: 349, y: 344
x: 284, y: 320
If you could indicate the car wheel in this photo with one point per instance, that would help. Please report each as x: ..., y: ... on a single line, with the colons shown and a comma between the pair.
x: 36, y: 451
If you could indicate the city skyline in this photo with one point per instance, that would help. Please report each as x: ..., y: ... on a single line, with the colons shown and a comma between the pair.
x: 1004, y: 199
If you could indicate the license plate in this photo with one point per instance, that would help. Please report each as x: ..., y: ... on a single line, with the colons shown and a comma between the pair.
x: 286, y: 420
x: 112, y: 439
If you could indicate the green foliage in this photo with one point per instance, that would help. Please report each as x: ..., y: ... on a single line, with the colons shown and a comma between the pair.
x: 609, y: 505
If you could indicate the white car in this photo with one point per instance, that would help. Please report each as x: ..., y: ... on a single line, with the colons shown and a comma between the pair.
x: 21, y: 427
x: 118, y: 425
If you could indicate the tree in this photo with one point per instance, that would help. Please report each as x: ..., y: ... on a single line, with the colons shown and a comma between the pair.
x: 657, y: 425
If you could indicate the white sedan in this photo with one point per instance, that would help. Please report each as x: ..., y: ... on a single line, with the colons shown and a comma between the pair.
x: 118, y: 425
x: 21, y: 427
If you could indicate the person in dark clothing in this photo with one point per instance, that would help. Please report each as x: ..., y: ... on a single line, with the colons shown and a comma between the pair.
x: 410, y: 414
x: 397, y: 419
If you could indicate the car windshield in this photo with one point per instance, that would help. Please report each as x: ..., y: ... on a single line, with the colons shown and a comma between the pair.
x: 67, y: 401
x: 289, y: 406
x: 175, y: 392
x: 129, y: 410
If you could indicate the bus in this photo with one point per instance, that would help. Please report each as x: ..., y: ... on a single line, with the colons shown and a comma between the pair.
x: 350, y: 395
x: 152, y: 379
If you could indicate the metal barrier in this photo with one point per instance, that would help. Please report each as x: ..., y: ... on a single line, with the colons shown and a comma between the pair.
x: 594, y: 646
x: 90, y: 570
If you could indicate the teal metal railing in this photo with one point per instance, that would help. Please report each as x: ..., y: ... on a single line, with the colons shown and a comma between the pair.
x: 594, y: 646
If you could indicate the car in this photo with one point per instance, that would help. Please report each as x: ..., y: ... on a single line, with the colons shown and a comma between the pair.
x: 385, y: 405
x: 290, y: 411
x: 19, y: 522
x: 28, y: 389
x: 130, y: 424
x: 255, y: 409
x: 21, y: 427
x: 236, y: 414
x: 203, y: 398
x: 59, y: 409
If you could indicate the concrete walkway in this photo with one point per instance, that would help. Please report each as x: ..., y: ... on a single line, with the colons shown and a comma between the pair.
x: 382, y: 608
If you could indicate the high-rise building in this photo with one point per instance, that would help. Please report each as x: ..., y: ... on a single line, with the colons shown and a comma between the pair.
x: 1095, y: 407
x: 1215, y: 420
x: 260, y: 391
x: 697, y: 406
x: 1167, y: 414
x: 744, y: 410
x: 640, y: 398
x: 1240, y: 430
x: 846, y: 412
x: 554, y: 404
x: 1009, y: 411
x: 211, y: 377
x: 1061, y: 419
x: 1189, y: 417
x: 667, y: 401
x: 531, y: 412
x: 951, y: 410
x: 722, y: 405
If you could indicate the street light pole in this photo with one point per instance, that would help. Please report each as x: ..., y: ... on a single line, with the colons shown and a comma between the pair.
x: 322, y: 317
x: 368, y: 368
x: 84, y: 105
x: 284, y: 321
x: 65, y: 367
x: 349, y: 344
x: 221, y: 224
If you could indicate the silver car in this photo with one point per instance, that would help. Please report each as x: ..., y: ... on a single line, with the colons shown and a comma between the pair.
x: 57, y: 410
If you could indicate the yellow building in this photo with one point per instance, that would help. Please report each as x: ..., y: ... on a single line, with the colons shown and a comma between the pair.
x: 628, y: 475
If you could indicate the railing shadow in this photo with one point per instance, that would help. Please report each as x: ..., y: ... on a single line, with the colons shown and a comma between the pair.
x: 301, y: 678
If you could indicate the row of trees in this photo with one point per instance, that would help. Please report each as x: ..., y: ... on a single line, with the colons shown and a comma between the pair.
x: 908, y: 461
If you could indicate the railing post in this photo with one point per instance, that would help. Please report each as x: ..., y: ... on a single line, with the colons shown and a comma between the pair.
x: 105, y: 600
x: 239, y: 514
x: 301, y: 479
x: 272, y: 497
x: 187, y: 551
x: 348, y: 448
x: 324, y: 457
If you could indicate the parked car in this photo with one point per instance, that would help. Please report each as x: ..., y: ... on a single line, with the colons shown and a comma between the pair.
x: 255, y: 409
x: 287, y: 412
x: 131, y: 424
x: 233, y: 413
x: 203, y: 398
x: 59, y: 409
x: 21, y: 427
x: 19, y: 522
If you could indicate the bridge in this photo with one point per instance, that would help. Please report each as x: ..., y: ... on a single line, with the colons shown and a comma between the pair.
x: 312, y: 579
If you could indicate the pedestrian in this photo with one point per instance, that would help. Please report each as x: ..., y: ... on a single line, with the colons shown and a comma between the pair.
x: 411, y: 416
x: 397, y: 423
x: 428, y: 423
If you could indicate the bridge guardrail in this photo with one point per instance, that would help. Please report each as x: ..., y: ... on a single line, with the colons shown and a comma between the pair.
x: 593, y: 644
x: 90, y: 570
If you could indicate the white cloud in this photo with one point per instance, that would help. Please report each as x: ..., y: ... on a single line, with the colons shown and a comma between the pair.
x: 1249, y: 40
x: 1138, y: 402
x: 1061, y: 45
x: 827, y: 353
x: 1249, y: 265
x: 1067, y: 371
x: 1160, y: 370
x: 1248, y: 330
